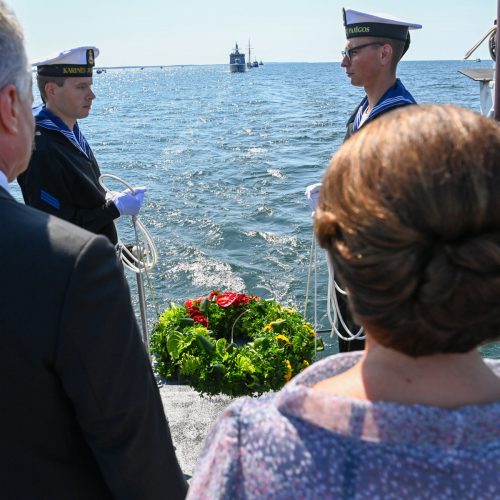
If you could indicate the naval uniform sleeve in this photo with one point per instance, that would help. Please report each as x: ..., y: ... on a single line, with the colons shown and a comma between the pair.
x: 105, y: 372
x: 49, y: 186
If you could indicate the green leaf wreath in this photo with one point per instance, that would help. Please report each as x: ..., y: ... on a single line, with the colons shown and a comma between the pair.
x: 232, y: 343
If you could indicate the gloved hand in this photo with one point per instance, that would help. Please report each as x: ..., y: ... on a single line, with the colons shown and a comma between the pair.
x: 129, y: 203
x: 312, y: 195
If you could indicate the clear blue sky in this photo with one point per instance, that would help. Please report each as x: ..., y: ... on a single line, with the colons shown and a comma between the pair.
x: 165, y: 32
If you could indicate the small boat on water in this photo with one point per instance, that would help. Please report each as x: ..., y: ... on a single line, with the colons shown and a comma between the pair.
x: 237, y: 61
x: 260, y: 63
x: 249, y: 62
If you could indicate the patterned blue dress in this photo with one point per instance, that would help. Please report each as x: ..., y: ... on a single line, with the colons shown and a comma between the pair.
x: 301, y: 443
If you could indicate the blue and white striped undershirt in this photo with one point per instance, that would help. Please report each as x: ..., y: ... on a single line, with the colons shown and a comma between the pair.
x: 45, y: 119
x: 394, y: 97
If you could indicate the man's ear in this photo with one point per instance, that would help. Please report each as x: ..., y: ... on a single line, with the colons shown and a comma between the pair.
x: 387, y: 54
x: 50, y: 89
x: 9, y: 108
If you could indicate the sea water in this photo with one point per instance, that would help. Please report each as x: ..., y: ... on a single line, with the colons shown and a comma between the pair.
x: 226, y: 158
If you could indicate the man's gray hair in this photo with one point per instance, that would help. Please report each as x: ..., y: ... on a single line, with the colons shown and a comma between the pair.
x: 13, y: 59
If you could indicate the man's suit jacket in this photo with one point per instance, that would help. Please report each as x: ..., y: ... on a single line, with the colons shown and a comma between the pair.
x: 81, y: 415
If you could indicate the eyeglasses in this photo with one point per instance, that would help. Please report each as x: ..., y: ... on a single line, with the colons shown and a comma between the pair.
x: 350, y: 52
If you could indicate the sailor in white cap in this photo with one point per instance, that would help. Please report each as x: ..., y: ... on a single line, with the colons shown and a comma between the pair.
x: 375, y: 45
x: 62, y: 177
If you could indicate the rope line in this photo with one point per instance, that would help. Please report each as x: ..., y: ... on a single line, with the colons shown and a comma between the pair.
x: 140, y: 259
x: 338, y: 325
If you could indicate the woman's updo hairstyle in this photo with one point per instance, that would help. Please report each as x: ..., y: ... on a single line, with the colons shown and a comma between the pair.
x: 409, y: 214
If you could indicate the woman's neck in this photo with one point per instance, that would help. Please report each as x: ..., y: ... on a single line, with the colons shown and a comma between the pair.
x: 443, y: 380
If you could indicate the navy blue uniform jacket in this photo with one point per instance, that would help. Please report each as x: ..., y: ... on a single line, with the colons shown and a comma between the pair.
x: 62, y: 181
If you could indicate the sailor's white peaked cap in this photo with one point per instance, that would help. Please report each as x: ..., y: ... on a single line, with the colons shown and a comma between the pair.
x: 379, y: 25
x: 73, y: 62
x: 355, y: 17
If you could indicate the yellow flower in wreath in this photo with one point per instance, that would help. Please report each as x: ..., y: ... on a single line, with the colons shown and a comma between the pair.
x: 308, y: 328
x: 283, y: 339
x: 288, y: 374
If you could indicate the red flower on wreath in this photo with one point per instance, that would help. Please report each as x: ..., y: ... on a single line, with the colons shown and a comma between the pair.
x: 223, y: 300
x: 228, y: 299
x: 194, y: 312
x: 200, y: 320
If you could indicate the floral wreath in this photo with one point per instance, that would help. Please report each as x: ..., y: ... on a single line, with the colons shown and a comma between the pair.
x: 232, y: 343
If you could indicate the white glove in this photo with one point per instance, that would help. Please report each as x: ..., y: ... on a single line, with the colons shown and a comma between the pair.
x: 312, y: 195
x: 129, y: 203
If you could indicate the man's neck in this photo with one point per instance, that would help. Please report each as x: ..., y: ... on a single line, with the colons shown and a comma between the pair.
x: 378, y: 89
x: 69, y: 122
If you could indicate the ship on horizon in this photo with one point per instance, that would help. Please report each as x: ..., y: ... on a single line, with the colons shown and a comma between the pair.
x: 237, y: 61
x: 255, y: 63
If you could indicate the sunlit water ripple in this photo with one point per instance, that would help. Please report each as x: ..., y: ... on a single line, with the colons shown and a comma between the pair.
x: 226, y: 159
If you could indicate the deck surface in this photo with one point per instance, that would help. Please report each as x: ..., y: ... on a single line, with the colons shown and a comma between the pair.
x: 190, y: 417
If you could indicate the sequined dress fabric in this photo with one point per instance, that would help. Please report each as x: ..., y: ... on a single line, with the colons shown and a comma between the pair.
x: 301, y: 443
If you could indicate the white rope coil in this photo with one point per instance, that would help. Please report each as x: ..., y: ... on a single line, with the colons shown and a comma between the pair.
x: 143, y: 256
